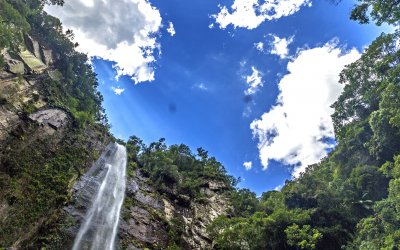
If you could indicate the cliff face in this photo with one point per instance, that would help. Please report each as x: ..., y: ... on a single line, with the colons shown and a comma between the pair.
x: 21, y: 99
x: 151, y: 219
x: 42, y: 151
x: 64, y: 230
x: 15, y: 92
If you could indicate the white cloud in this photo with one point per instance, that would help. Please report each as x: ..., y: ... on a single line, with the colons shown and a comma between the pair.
x: 251, y: 13
x: 279, y: 46
x: 171, y: 29
x: 117, y: 90
x: 254, y: 81
x: 248, y: 165
x: 293, y: 131
x: 259, y: 46
x: 123, y: 32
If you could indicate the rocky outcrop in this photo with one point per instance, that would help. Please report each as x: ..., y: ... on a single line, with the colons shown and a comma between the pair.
x: 33, y: 64
x: 33, y: 58
x: 54, y: 118
x: 151, y: 219
x: 15, y: 92
x: 38, y: 50
x: 19, y: 91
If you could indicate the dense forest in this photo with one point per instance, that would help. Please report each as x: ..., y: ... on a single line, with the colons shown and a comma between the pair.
x: 350, y: 200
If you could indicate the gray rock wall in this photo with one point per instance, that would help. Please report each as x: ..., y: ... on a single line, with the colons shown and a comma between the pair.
x: 150, y: 219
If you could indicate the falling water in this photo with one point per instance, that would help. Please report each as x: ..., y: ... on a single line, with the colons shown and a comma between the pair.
x: 99, y: 229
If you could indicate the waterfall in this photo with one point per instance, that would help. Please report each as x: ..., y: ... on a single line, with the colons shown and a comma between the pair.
x: 99, y: 228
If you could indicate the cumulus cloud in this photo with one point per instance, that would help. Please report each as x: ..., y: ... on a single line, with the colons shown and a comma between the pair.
x: 248, y: 165
x: 171, y: 29
x: 279, y: 46
x: 117, y: 90
x: 123, y: 32
x: 254, y: 81
x: 251, y: 13
x: 295, y: 130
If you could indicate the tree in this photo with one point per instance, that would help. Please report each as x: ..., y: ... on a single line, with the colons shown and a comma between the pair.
x: 245, y: 202
x: 380, y: 11
x: 302, y: 237
x: 382, y: 230
x: 12, y: 26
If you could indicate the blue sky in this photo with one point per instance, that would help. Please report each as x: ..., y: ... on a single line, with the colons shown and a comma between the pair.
x: 212, y: 87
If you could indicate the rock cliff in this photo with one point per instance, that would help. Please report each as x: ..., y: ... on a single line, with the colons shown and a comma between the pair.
x: 151, y: 219
x: 42, y: 151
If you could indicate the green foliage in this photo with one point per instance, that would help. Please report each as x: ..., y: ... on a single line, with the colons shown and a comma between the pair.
x: 259, y: 231
x: 368, y: 182
x: 244, y: 202
x: 176, y: 228
x: 76, y: 90
x: 12, y: 25
x: 175, y: 169
x: 304, y: 237
x: 366, y: 80
x: 381, y: 11
x: 367, y: 111
x: 382, y: 230
x: 35, y: 181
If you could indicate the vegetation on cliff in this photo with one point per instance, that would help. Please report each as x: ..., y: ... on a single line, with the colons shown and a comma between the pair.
x: 175, y: 169
x: 37, y: 167
x: 76, y: 89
